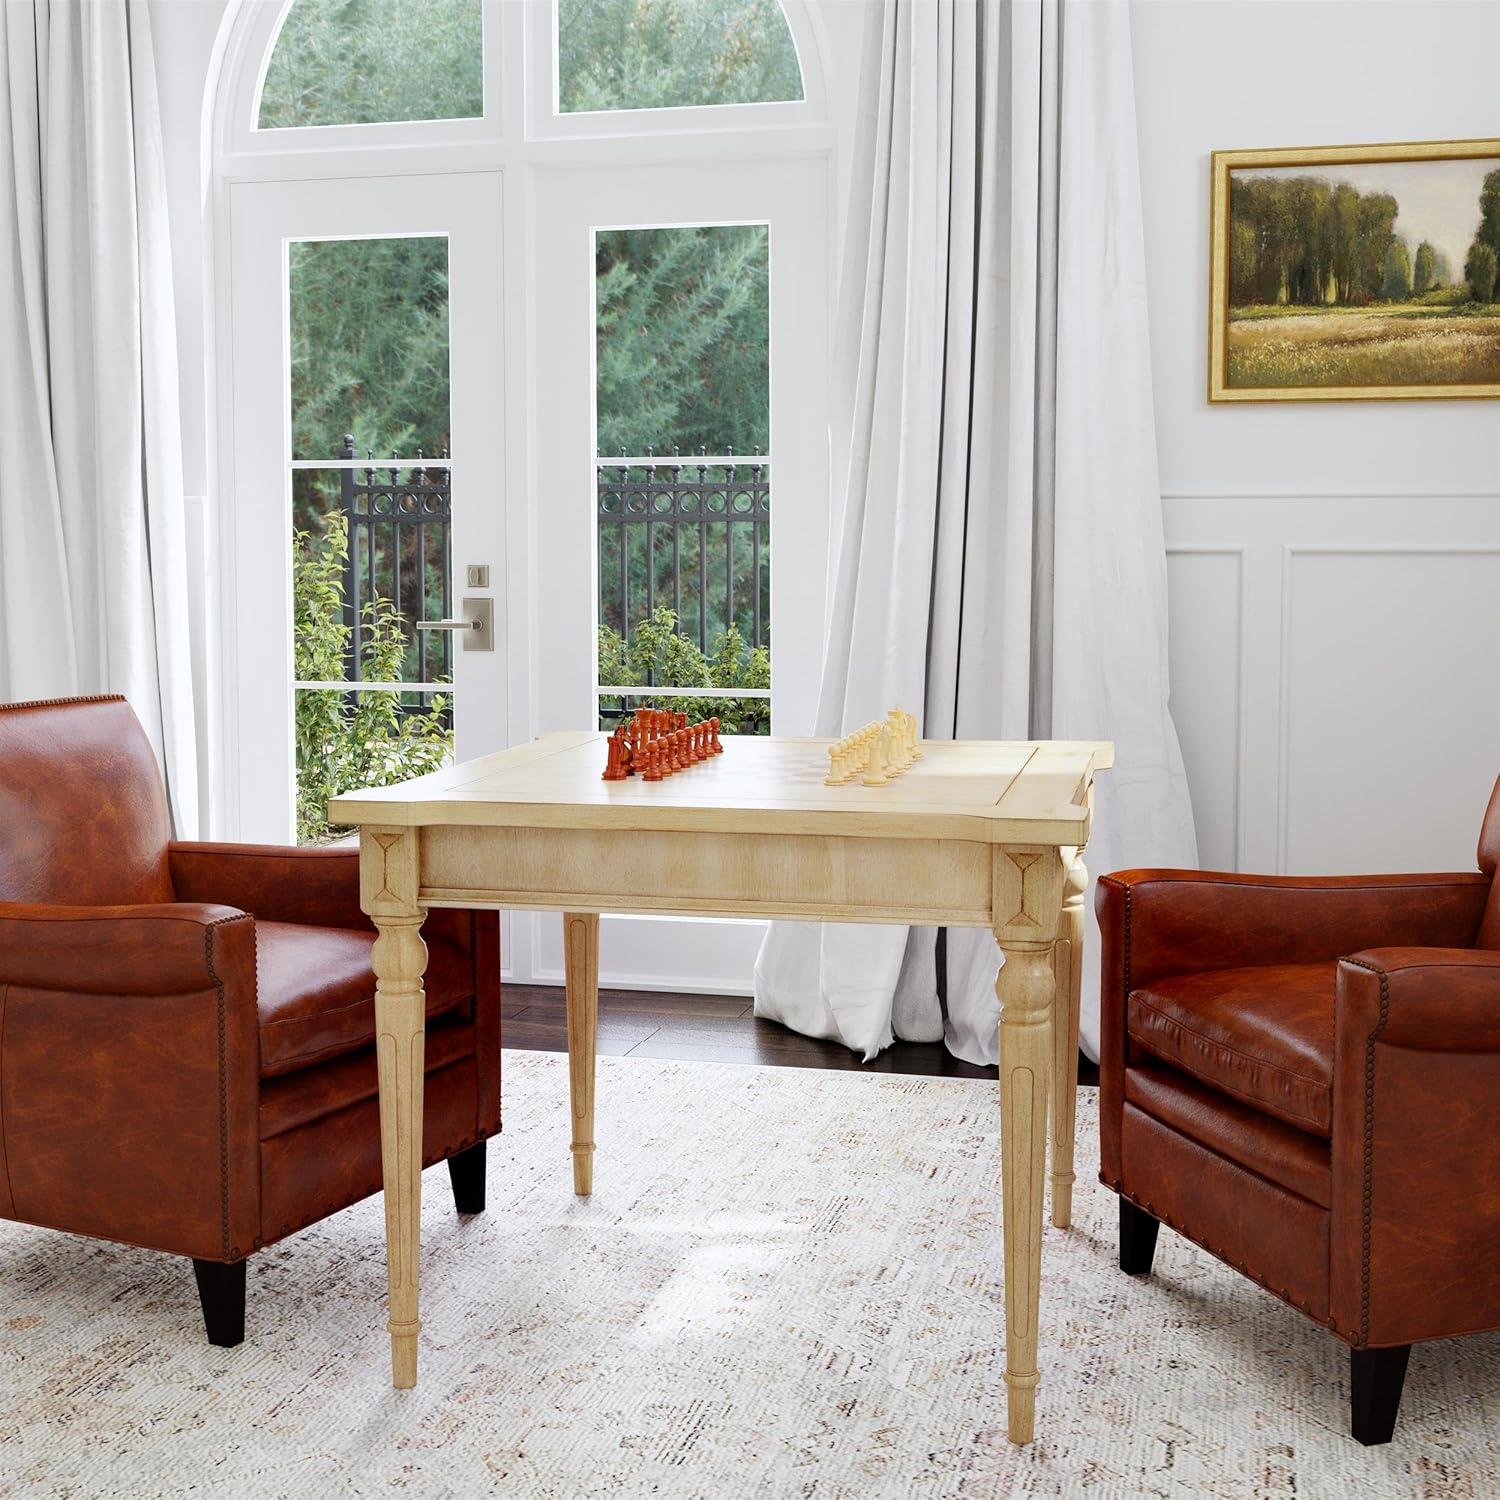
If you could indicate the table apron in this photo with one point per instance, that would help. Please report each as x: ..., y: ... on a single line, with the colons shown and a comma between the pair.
x: 798, y: 876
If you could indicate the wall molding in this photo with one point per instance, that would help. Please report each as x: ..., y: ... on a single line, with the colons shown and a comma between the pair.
x: 1268, y: 537
x: 1238, y: 551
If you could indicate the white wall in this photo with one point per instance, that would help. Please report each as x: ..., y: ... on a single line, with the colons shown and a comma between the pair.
x: 1335, y: 567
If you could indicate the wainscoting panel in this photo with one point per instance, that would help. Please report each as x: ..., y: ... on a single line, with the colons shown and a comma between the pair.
x: 1206, y: 655
x: 1336, y: 676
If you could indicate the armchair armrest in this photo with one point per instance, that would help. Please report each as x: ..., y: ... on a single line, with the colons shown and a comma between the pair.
x: 131, y: 1056
x: 316, y: 887
x: 1415, y: 1233
x: 112, y: 950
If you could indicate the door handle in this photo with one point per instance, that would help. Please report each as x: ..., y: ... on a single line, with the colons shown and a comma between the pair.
x: 477, y: 625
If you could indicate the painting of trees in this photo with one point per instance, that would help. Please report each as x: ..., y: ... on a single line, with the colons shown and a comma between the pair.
x: 1375, y: 272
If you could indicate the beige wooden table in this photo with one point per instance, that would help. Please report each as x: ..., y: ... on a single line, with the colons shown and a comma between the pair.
x: 976, y: 834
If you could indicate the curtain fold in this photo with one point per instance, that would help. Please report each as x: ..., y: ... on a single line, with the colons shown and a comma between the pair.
x: 93, y: 561
x: 1002, y: 562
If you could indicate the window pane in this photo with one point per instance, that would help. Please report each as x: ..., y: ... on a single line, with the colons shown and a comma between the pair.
x: 659, y: 54
x: 369, y: 557
x: 370, y: 552
x: 684, y: 542
x: 361, y: 62
x: 683, y: 339
x: 369, y: 342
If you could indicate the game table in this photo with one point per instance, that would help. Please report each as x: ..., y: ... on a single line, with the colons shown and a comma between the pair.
x: 974, y: 834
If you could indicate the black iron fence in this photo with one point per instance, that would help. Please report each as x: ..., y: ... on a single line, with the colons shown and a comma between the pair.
x: 400, y: 519
x: 694, y: 534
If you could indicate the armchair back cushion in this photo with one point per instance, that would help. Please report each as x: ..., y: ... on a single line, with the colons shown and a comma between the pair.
x: 1489, y: 860
x: 83, y: 813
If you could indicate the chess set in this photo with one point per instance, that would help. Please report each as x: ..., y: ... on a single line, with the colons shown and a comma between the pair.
x: 877, y: 752
x: 655, y: 743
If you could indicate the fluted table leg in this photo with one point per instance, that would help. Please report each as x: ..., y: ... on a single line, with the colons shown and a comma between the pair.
x: 581, y: 962
x: 1068, y: 972
x: 388, y: 866
x: 1027, y: 908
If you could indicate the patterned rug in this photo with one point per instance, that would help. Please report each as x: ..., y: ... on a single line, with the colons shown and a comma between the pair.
x: 787, y: 1283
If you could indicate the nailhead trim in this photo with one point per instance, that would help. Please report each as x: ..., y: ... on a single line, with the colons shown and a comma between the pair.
x: 64, y: 702
x: 230, y: 1252
x: 1368, y: 1205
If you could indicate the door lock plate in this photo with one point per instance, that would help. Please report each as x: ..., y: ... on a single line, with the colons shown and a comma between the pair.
x: 481, y: 615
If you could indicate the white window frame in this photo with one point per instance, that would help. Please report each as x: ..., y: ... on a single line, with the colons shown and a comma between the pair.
x: 522, y: 138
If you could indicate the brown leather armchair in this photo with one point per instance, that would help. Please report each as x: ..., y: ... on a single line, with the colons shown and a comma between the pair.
x: 187, y: 1056
x: 1300, y: 1075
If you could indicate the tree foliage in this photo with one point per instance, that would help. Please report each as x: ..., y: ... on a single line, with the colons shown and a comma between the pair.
x: 1424, y: 270
x: 369, y: 336
x: 1395, y: 272
x: 1484, y: 252
x: 1479, y: 271
x: 359, y: 62
x: 683, y: 339
x: 661, y: 54
x: 1308, y: 241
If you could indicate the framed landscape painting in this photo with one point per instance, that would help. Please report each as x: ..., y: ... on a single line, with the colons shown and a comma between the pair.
x: 1345, y: 273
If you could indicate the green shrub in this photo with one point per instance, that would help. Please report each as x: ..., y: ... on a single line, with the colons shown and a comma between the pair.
x: 656, y: 648
x: 346, y: 741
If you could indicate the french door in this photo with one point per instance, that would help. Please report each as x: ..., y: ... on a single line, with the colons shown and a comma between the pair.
x: 368, y: 561
x: 731, y: 531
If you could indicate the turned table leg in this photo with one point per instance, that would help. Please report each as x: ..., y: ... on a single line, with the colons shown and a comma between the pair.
x: 1027, y: 908
x: 581, y: 960
x: 388, y: 893
x: 1068, y: 972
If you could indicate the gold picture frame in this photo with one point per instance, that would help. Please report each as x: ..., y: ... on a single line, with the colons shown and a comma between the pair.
x: 1354, y: 333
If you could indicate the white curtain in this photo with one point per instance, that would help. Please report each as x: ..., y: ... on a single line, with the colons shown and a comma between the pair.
x: 998, y: 466
x: 93, y: 560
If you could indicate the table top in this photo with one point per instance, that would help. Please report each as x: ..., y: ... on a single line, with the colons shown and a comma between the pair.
x: 990, y: 791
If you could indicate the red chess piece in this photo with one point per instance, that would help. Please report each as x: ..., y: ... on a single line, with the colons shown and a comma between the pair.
x: 714, y: 747
x: 652, y: 761
x: 702, y: 734
x: 614, y: 766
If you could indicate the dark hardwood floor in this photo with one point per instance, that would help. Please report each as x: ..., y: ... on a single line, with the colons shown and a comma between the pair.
x: 711, y: 1028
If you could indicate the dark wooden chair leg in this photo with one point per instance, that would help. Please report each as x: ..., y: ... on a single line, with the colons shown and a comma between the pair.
x: 1375, y: 1380
x: 1137, y: 1239
x: 221, y: 1290
x: 467, y: 1172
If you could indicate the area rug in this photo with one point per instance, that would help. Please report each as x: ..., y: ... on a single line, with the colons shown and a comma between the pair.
x: 787, y: 1283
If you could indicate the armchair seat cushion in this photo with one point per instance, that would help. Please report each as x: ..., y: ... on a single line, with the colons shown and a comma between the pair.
x: 1262, y: 1035
x: 316, y: 992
